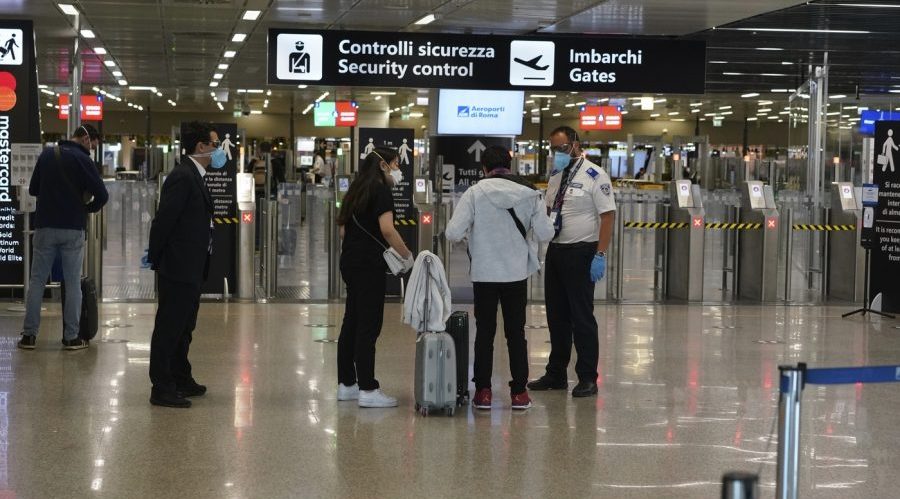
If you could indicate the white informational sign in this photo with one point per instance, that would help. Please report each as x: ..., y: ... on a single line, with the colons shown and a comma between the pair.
x: 870, y: 194
x: 480, y: 112
x: 531, y: 63
x: 756, y: 191
x: 299, y: 57
x: 24, y: 157
x: 448, y: 178
x: 420, y: 185
x: 246, y: 191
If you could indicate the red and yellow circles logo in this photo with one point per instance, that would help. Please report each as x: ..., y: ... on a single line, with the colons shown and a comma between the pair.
x: 7, y: 91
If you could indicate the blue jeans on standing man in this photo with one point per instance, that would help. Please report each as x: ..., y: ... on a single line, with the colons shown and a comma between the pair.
x: 69, y: 244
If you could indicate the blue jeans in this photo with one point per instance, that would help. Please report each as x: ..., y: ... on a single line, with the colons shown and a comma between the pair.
x: 49, y: 242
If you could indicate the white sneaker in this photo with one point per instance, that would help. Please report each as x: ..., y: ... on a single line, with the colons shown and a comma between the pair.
x: 376, y: 398
x: 347, y: 392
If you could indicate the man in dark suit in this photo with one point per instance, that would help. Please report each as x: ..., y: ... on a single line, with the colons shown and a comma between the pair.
x: 180, y: 248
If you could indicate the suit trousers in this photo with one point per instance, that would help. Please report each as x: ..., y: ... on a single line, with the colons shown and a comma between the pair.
x: 176, y: 318
x: 513, y: 298
x: 569, y: 298
x: 363, y: 317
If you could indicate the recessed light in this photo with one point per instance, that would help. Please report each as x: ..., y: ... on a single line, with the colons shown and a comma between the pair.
x: 426, y: 20
x: 239, y: 37
x: 99, y: 50
x: 382, y: 93
x: 674, y: 113
x: 722, y: 108
x: 109, y: 64
x: 217, y: 76
x: 124, y: 83
x: 801, y: 30
x: 88, y: 33
x: 251, y: 15
x: 750, y: 95
x: 223, y: 66
x: 654, y: 115
x: 255, y: 111
x: 68, y: 9
x: 117, y: 73
x: 837, y: 96
x: 302, y: 86
x: 213, y: 84
x: 696, y: 104
x: 229, y: 54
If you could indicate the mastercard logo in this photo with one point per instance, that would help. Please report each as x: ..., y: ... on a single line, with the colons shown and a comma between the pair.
x: 7, y: 91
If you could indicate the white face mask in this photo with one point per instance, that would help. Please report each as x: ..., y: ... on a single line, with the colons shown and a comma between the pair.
x: 397, y: 175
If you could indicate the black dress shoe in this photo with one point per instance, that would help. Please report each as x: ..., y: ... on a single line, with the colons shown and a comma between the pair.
x: 192, y: 390
x: 584, y: 389
x: 547, y: 383
x: 169, y: 399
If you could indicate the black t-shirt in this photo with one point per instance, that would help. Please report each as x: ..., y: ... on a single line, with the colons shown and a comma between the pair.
x: 358, y: 248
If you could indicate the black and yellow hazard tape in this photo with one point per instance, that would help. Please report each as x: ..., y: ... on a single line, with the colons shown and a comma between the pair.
x: 732, y: 226
x: 226, y: 220
x: 656, y: 225
x: 822, y: 228
x: 405, y: 221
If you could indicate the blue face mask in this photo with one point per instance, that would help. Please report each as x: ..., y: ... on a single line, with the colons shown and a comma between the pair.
x: 218, y: 159
x: 560, y: 161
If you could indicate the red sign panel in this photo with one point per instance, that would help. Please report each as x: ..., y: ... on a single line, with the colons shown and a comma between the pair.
x: 346, y: 113
x: 601, y: 118
x: 91, y: 107
x: 771, y: 223
x: 426, y: 218
x: 698, y: 222
x: 247, y: 217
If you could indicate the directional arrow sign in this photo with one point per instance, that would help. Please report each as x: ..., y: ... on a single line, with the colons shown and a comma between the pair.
x: 478, y: 148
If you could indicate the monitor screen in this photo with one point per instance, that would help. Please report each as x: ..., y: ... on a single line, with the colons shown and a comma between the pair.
x: 480, y: 112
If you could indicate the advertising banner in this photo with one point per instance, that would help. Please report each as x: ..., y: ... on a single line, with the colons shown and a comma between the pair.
x: 405, y: 213
x: 20, y: 124
x: 440, y: 60
x: 885, y: 232
x: 223, y: 190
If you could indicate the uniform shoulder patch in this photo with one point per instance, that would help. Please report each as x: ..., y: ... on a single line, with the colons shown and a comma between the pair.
x: 592, y: 172
x: 605, y: 189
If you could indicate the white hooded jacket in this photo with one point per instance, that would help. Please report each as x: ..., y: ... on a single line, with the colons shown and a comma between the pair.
x: 427, y: 287
x: 498, y: 251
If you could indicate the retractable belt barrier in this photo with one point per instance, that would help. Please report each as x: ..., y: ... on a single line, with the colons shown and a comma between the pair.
x: 685, y: 225
x: 226, y: 220
x: 793, y: 379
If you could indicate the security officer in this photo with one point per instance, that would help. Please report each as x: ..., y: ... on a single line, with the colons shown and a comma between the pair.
x: 581, y: 205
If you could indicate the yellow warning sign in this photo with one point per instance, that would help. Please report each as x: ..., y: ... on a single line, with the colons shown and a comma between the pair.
x: 829, y: 228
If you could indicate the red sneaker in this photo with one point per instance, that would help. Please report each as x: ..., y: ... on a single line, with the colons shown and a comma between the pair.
x: 482, y: 399
x: 521, y: 401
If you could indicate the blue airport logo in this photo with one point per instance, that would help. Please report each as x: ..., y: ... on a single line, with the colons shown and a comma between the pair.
x: 475, y: 112
x: 462, y: 111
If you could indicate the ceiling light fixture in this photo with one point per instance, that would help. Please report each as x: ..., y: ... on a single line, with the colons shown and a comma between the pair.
x: 718, y: 62
x: 251, y: 15
x: 255, y: 111
x: 426, y: 20
x: 117, y: 73
x: 217, y: 76
x: 68, y: 9
x: 229, y: 54
x: 99, y: 50
x: 88, y: 33
x: 221, y: 107
x: 322, y: 97
x: 770, y: 49
x: 382, y: 93
x: 837, y: 96
x: 302, y: 86
x: 722, y: 108
x: 542, y: 96
x: 801, y: 30
x: 378, y: 97
x: 109, y: 64
x: 213, y: 84
x: 239, y: 37
x: 223, y: 66
x: 124, y: 83
x: 750, y: 95
x: 765, y: 102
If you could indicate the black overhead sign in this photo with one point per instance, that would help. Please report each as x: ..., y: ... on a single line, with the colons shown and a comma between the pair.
x: 432, y: 60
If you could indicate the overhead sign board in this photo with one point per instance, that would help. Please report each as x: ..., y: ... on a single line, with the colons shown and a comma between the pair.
x: 600, y: 118
x: 335, y: 114
x: 868, y: 118
x: 437, y: 60
x: 91, y: 107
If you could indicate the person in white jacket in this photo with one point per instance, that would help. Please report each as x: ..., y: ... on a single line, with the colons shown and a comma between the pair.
x: 502, y: 217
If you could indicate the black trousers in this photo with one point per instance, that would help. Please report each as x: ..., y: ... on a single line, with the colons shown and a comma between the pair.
x: 363, y: 317
x: 570, y: 310
x: 512, y: 297
x: 176, y: 318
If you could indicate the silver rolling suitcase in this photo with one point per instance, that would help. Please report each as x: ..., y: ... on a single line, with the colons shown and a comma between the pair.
x: 435, y: 373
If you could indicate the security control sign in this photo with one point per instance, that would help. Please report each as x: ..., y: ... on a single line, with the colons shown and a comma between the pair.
x: 600, y: 118
x: 432, y: 60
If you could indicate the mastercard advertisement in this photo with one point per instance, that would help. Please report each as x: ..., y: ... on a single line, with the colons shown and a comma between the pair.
x: 19, y: 125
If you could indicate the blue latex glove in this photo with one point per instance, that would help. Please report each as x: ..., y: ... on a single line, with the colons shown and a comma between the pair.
x: 598, y: 268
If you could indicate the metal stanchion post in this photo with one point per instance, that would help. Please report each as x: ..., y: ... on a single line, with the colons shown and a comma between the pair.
x: 665, y: 258
x: 735, y: 254
x: 825, y: 239
x: 620, y: 256
x: 791, y: 388
x: 789, y: 252
x: 740, y: 485
x: 272, y: 248
x: 726, y: 239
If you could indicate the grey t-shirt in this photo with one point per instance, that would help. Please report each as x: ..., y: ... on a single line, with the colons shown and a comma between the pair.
x: 589, y: 194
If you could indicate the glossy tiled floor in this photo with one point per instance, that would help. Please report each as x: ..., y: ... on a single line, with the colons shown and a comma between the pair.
x: 687, y: 393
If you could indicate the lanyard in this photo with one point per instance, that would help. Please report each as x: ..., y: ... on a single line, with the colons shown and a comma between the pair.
x: 564, y: 185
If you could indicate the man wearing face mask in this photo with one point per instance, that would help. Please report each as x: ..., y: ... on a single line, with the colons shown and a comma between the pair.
x: 63, y: 179
x: 180, y: 248
x: 581, y: 206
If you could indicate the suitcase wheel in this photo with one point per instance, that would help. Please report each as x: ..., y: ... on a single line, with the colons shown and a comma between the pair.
x: 450, y: 411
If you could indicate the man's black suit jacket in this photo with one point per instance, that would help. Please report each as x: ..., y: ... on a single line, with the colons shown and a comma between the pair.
x: 180, y: 235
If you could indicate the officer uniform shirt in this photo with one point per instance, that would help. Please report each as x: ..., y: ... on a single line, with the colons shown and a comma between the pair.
x: 588, y: 195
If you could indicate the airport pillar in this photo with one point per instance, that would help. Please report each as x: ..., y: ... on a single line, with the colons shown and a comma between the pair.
x: 75, y: 82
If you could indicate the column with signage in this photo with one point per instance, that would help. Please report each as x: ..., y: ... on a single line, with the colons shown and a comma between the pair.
x: 405, y: 214
x: 884, y: 236
x: 20, y: 139
x: 223, y: 190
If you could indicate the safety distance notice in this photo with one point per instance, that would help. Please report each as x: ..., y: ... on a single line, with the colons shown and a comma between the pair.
x: 391, y: 59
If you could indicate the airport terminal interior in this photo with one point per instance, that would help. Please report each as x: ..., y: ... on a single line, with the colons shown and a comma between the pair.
x: 750, y: 152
